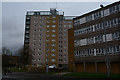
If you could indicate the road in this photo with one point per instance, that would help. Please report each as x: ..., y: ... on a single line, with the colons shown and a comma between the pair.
x: 38, y: 76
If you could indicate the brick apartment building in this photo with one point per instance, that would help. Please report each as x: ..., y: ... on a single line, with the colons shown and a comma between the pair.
x: 90, y: 44
x: 46, y: 34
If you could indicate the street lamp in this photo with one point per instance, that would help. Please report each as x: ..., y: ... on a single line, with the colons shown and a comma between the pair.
x: 47, y: 64
x: 106, y: 54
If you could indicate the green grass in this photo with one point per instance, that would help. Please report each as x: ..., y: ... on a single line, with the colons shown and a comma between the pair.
x: 92, y: 75
x: 18, y: 70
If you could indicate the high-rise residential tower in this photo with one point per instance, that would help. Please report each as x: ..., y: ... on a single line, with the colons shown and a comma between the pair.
x: 46, y: 34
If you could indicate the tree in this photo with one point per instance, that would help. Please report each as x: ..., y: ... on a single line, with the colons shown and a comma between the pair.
x: 5, y: 57
x: 6, y: 51
x: 25, y: 56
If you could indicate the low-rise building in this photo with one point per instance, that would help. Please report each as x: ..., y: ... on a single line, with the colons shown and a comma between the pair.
x: 97, y: 40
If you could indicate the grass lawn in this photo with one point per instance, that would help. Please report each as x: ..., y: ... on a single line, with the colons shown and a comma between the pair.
x: 18, y: 70
x: 92, y: 75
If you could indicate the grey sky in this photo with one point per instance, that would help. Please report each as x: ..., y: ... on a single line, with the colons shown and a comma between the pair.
x: 13, y: 17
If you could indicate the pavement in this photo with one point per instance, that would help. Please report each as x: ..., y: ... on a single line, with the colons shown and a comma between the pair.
x: 62, y: 73
x: 39, y: 76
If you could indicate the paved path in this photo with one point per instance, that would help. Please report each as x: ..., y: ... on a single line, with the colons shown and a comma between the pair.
x: 62, y: 73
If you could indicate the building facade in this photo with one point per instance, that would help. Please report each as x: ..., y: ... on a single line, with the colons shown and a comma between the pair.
x: 71, y: 65
x: 47, y: 36
x: 97, y: 34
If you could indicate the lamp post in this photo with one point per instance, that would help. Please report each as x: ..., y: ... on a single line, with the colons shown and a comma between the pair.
x: 47, y: 64
x: 106, y: 54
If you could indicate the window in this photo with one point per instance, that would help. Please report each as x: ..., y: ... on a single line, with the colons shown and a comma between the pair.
x: 98, y: 39
x: 60, y: 50
x: 53, y: 39
x: 113, y: 9
x: 41, y: 21
x: 34, y: 44
x: 35, y: 17
x: 27, y: 22
x: 48, y: 17
x: 47, y: 39
x: 65, y: 56
x: 33, y: 59
x: 52, y: 54
x: 60, y: 29
x: 35, y: 30
x: 53, y: 16
x: 60, y: 59
x: 53, y: 25
x: 34, y: 49
x: 39, y: 54
x: 40, y: 25
x: 47, y: 50
x: 65, y: 22
x: 53, y: 21
x: 40, y: 64
x: 35, y: 25
x: 90, y: 40
x: 26, y: 36
x: 60, y: 46
x: 65, y: 34
x: 60, y: 55
x: 47, y: 59
x: 33, y: 54
x: 34, y: 35
x: 70, y: 22
x: 53, y: 60
x: 48, y: 35
x: 34, y: 39
x: 88, y: 18
x: 65, y: 51
x: 53, y: 50
x: 97, y: 15
x: 60, y: 37
x: 47, y: 54
x: 53, y: 44
x: 60, y: 33
x: 40, y: 35
x: 65, y: 60
x: 41, y: 17
x: 64, y: 25
x: 39, y: 59
x: 53, y: 35
x: 47, y: 30
x: 40, y: 39
x: 48, y: 25
x: 40, y: 44
x: 117, y: 49
x: 26, y: 41
x: 40, y: 30
x: 35, y: 21
x: 47, y: 44
x: 65, y: 29
x: 39, y: 49
x: 53, y: 30
x: 48, y: 21
x: 65, y: 47
x: 60, y: 41
x: 69, y: 26
x: 27, y: 18
x: 27, y: 27
x: 116, y: 35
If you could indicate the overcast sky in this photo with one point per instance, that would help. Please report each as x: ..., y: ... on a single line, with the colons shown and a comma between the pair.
x: 13, y: 17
